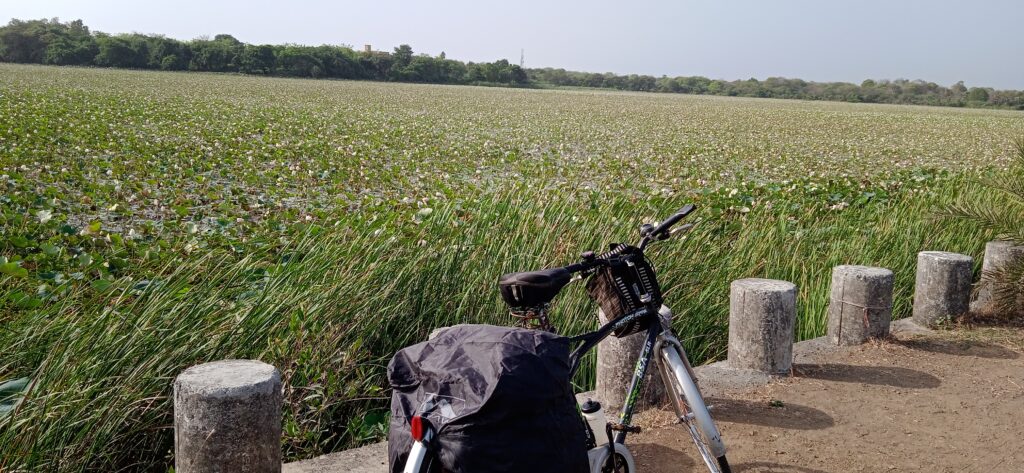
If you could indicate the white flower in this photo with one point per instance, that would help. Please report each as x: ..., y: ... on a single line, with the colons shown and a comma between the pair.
x: 44, y: 216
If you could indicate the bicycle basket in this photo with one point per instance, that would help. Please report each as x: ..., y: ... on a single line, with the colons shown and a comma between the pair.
x: 628, y: 283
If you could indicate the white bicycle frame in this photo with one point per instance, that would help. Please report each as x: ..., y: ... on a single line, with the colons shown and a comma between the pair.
x: 673, y: 356
x: 418, y: 453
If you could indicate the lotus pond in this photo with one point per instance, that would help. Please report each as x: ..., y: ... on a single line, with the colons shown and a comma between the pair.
x: 150, y: 221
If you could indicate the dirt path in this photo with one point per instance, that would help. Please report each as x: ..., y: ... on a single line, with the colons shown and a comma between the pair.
x: 942, y: 402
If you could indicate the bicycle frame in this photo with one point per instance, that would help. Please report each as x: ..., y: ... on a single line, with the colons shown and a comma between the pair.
x: 418, y: 453
x: 653, y: 341
x: 643, y: 362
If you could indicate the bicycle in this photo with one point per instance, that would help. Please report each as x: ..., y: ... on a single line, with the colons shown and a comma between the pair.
x: 636, y: 297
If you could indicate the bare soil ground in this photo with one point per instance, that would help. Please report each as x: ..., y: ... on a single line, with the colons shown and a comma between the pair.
x: 947, y: 401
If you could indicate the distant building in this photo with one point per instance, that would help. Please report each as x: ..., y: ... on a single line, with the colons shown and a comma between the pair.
x: 367, y: 48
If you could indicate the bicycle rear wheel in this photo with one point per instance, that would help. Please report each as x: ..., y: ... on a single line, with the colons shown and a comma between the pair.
x: 689, y: 406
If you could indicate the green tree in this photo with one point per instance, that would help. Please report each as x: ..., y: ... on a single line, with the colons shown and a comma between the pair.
x: 977, y: 94
x: 402, y: 57
x: 451, y: 72
x: 256, y: 59
x: 69, y: 44
x: 128, y: 51
x: 297, y: 61
x: 338, y: 62
x: 22, y: 41
x: 217, y: 55
x: 167, y: 54
x: 519, y: 75
x: 422, y: 69
x: 376, y: 65
x: 497, y: 72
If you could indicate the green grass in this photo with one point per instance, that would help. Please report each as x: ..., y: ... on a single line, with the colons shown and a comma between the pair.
x: 181, y: 218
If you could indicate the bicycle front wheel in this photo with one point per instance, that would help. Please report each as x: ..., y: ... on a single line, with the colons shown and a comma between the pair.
x: 689, y: 405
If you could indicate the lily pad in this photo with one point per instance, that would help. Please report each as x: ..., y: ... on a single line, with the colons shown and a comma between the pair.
x: 101, y: 285
x: 12, y: 392
x: 14, y: 270
x: 24, y: 301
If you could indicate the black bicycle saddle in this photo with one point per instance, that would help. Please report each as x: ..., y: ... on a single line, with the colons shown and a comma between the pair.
x: 533, y: 288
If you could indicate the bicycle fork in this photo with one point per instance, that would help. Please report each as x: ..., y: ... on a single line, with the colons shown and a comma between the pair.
x: 673, y: 358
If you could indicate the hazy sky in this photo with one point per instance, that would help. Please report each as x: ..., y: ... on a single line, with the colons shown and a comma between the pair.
x: 980, y: 42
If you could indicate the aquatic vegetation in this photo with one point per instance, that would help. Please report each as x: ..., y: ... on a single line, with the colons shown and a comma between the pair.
x: 150, y: 221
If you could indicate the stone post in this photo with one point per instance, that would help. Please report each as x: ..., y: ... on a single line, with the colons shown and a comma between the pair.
x: 998, y: 254
x: 616, y: 361
x: 227, y: 418
x: 861, y: 304
x: 762, y: 316
x: 943, y: 287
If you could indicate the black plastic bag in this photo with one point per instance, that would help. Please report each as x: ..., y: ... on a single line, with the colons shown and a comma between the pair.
x: 499, y: 399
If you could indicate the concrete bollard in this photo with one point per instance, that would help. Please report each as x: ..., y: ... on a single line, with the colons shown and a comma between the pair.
x: 227, y: 418
x: 762, y: 316
x: 861, y: 304
x: 616, y: 361
x: 943, y: 287
x: 998, y: 254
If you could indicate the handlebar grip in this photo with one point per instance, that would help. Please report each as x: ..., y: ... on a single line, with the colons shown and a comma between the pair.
x: 674, y: 219
x: 596, y: 261
x: 577, y: 267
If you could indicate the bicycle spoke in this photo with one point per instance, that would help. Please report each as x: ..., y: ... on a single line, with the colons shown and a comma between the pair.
x: 698, y: 440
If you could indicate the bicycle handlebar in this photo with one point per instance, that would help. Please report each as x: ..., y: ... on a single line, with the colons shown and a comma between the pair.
x: 661, y: 232
x: 666, y: 225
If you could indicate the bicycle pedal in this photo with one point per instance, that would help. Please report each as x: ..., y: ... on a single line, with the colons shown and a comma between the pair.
x: 624, y: 428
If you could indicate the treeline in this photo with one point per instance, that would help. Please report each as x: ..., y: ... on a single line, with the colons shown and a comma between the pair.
x: 897, y: 91
x: 71, y: 43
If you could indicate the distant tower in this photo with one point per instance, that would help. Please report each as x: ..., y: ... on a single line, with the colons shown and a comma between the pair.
x: 522, y: 57
x: 366, y: 48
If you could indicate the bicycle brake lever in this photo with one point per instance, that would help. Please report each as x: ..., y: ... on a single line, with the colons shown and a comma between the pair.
x: 669, y: 234
x: 681, y: 229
